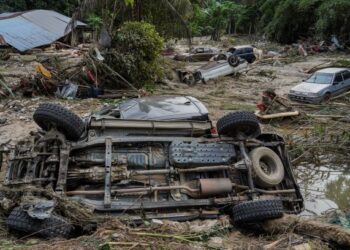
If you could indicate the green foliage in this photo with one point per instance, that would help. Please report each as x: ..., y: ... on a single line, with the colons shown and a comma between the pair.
x: 333, y: 17
x: 167, y: 20
x: 284, y: 26
x: 286, y: 21
x: 137, y: 46
x: 129, y: 2
x: 95, y: 21
x: 215, y: 18
x: 66, y: 7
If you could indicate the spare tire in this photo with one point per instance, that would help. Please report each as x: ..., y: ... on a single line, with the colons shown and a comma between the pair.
x: 257, y: 211
x: 238, y: 124
x: 52, y: 227
x: 50, y: 115
x: 233, y: 60
x: 268, y: 170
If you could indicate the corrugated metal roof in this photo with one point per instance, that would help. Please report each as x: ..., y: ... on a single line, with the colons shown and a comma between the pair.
x: 35, y: 28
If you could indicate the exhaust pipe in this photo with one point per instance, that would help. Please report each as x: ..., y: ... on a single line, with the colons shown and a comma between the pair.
x: 215, y: 186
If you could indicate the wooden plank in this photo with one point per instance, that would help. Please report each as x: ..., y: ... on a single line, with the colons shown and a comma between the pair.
x: 277, y: 115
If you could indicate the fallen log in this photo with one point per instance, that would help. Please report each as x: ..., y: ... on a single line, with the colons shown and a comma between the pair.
x: 277, y: 115
x: 321, y: 230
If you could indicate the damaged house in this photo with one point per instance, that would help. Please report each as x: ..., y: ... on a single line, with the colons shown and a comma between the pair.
x: 35, y: 28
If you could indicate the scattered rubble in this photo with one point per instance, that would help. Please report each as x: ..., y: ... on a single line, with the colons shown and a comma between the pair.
x: 321, y: 129
x: 273, y: 106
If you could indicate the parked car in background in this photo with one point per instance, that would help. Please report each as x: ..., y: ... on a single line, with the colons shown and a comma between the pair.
x: 322, y: 85
x: 197, y: 54
x: 245, y: 52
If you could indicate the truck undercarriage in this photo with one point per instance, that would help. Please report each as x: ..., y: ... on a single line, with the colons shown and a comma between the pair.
x: 160, y: 169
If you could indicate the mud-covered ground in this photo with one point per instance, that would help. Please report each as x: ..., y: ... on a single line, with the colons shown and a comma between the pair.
x: 223, y: 95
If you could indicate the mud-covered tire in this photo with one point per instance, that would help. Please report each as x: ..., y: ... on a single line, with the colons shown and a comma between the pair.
x: 53, y: 227
x: 50, y: 114
x: 268, y: 170
x: 237, y: 124
x: 197, y: 76
x: 190, y: 80
x: 257, y: 211
x: 233, y: 60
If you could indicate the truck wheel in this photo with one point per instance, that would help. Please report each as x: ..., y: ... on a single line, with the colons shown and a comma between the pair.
x: 48, y: 115
x: 233, y: 60
x: 256, y: 211
x: 268, y: 170
x: 239, y: 124
x: 190, y: 80
x: 52, y: 227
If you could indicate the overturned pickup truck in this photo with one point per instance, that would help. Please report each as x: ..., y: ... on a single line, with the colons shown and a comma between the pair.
x: 221, y: 66
x: 152, y: 158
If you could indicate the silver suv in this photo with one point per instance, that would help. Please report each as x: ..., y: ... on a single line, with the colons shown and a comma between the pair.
x: 322, y: 85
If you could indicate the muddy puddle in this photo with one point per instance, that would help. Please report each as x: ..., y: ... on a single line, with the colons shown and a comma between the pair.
x: 324, y: 188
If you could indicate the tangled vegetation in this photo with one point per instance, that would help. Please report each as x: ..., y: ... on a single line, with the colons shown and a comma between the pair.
x: 64, y: 6
x: 135, y: 53
x: 284, y: 21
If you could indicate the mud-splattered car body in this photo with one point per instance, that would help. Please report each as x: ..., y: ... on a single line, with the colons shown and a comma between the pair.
x: 145, y: 169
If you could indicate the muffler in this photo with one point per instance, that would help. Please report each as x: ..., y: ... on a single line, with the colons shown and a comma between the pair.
x: 215, y: 186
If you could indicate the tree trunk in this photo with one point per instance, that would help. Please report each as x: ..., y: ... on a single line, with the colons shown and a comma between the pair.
x: 229, y: 27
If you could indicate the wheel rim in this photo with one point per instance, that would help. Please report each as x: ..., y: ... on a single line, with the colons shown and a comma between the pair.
x: 268, y: 166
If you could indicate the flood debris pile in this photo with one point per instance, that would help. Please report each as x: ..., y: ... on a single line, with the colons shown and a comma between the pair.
x: 323, y: 131
x: 264, y: 53
x: 75, y: 212
x: 274, y: 106
x: 131, y: 64
x: 286, y: 233
x: 64, y: 73
x: 41, y: 72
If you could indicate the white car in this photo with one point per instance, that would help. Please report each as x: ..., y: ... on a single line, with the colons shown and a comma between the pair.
x: 322, y: 85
